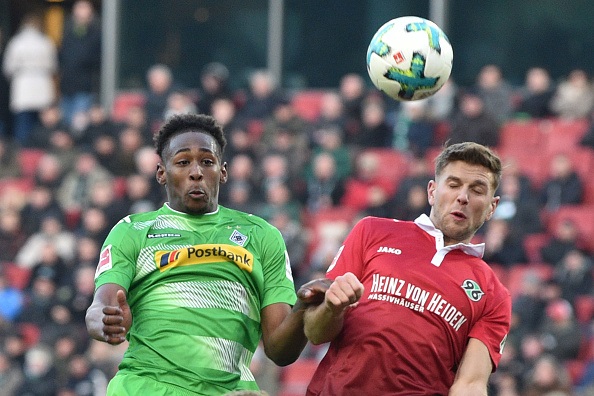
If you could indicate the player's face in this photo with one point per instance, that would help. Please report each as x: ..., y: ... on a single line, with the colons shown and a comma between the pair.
x: 191, y: 171
x: 462, y: 199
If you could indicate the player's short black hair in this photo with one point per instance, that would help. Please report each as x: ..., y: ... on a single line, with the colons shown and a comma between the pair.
x: 471, y: 153
x: 189, y: 123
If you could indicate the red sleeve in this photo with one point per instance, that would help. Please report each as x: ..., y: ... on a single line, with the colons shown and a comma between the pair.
x: 349, y: 257
x: 494, y: 325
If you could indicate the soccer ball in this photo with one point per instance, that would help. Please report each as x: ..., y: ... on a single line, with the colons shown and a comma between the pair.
x: 409, y: 58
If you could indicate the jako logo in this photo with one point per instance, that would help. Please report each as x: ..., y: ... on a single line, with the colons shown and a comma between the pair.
x: 385, y: 249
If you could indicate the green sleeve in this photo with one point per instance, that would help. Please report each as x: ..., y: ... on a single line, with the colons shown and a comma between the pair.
x: 276, y: 267
x: 119, y: 253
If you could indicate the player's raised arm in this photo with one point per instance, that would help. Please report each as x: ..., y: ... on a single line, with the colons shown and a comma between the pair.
x: 322, y: 323
x: 109, y: 318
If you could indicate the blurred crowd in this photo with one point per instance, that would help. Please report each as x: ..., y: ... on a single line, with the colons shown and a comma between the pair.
x: 311, y: 162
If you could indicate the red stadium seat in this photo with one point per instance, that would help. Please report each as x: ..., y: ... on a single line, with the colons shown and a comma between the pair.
x: 123, y: 102
x: 28, y: 159
x: 518, y: 273
x: 584, y: 308
x: 296, y: 377
x: 563, y: 135
x: 533, y: 243
x: 582, y: 216
x: 16, y: 276
x: 307, y: 104
x: 521, y: 136
x: 394, y: 165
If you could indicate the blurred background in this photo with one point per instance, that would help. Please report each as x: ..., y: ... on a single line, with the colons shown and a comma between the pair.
x: 313, y: 147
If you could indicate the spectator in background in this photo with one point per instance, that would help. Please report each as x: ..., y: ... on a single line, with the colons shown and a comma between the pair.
x: 129, y: 141
x: 99, y: 124
x: 375, y: 130
x: 5, y: 127
x: 146, y: 161
x: 160, y: 84
x: 561, y: 334
x: 11, y: 374
x: 547, y: 377
x: 137, y: 117
x: 442, y: 104
x: 332, y: 113
x: 573, y: 274
x: 39, y: 372
x: 179, y: 102
x: 414, y: 131
x: 279, y: 199
x: 243, y: 170
x: 214, y: 85
x: 30, y: 64
x: 496, y: 92
x: 12, y: 302
x: 9, y: 162
x: 41, y: 202
x: 80, y: 60
x: 331, y: 140
x: 563, y: 185
x: 366, y: 190
x: 240, y: 142
x: 517, y: 206
x: 51, y: 121
x: 563, y: 240
x: 224, y: 111
x: 406, y: 204
x: 501, y: 246
x: 75, y: 190
x: 324, y: 185
x: 352, y: 91
x: 139, y: 197
x: 262, y: 97
x: 574, y: 96
x: 472, y: 123
x: 12, y: 235
x: 527, y: 306
x: 536, y: 94
x: 52, y: 232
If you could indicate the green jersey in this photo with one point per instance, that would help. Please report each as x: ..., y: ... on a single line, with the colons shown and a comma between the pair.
x: 196, y: 286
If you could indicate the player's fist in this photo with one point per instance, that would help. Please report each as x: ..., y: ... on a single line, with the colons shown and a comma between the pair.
x: 345, y: 292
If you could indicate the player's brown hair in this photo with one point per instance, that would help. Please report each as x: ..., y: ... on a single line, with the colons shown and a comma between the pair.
x: 471, y: 153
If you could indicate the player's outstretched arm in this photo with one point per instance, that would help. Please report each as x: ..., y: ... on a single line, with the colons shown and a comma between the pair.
x: 282, y: 328
x: 109, y: 318
x: 322, y: 323
x: 473, y: 374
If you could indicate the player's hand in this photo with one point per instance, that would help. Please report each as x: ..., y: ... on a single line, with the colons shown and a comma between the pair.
x: 343, y: 293
x: 117, y: 320
x: 313, y: 292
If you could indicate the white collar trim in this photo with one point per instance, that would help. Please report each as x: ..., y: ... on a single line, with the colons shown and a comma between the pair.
x: 425, y: 223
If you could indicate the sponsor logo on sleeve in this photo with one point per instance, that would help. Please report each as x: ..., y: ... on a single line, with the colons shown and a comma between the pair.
x: 104, y: 261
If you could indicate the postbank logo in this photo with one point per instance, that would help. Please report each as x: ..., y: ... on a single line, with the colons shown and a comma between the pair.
x: 205, y: 254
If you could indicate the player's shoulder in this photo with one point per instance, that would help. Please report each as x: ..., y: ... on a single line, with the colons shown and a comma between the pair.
x: 243, y: 217
x: 131, y: 220
x: 374, y: 221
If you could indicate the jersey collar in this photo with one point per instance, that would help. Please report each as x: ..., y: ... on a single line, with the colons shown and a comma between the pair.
x: 425, y: 223
x: 188, y: 214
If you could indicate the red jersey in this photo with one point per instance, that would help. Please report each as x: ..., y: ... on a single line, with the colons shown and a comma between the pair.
x: 421, y: 304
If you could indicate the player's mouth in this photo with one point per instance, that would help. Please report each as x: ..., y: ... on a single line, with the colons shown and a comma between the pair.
x: 458, y: 215
x: 196, y: 193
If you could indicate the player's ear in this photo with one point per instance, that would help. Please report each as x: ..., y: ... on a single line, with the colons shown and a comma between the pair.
x: 494, y: 203
x: 224, y: 174
x: 161, y: 174
x: 431, y: 192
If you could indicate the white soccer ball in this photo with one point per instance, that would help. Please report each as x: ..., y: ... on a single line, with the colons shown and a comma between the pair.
x: 409, y: 58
